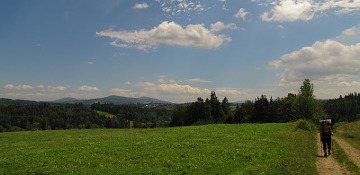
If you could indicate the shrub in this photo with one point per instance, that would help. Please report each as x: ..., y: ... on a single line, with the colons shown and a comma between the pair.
x: 305, y: 125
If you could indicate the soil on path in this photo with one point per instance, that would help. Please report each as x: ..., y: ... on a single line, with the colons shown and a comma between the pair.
x: 327, y: 165
x: 351, y: 152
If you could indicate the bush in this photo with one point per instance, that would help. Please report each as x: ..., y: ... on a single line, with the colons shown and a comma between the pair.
x: 15, y: 128
x: 305, y: 125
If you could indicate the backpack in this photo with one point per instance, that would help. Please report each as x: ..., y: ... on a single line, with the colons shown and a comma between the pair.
x: 321, y: 122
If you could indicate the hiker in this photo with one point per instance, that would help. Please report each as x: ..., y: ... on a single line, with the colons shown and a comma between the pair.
x: 325, y: 137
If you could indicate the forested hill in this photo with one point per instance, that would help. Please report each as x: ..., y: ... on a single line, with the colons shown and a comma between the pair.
x: 116, y: 100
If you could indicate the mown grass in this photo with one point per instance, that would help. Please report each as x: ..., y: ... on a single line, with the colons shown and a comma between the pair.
x: 349, y: 132
x: 208, y: 149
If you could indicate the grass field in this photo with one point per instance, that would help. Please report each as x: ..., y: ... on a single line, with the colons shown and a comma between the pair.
x: 103, y: 113
x: 208, y: 149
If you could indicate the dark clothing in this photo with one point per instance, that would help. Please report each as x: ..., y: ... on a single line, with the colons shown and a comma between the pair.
x: 326, y: 142
x: 326, y: 138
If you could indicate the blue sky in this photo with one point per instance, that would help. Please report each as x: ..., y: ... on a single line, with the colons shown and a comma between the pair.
x: 178, y: 50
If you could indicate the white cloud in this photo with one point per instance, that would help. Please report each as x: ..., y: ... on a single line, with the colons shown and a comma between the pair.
x: 179, y: 7
x: 162, y: 79
x: 88, y: 88
x: 41, y: 86
x: 177, y: 89
x: 348, y: 84
x: 169, y: 33
x: 198, y: 80
x: 323, y: 61
x: 141, y: 6
x: 218, y: 26
x: 241, y: 14
x: 57, y: 88
x: 290, y: 10
x: 19, y: 87
x: 125, y: 92
x: 127, y: 83
x: 350, y: 35
x: 229, y: 92
x: 9, y: 86
x: 280, y: 26
x: 90, y: 62
x: 23, y: 87
x: 144, y: 84
x: 293, y: 10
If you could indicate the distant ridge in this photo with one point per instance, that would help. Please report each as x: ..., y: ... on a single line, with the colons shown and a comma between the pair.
x: 65, y: 100
x: 113, y: 99
x: 17, y: 101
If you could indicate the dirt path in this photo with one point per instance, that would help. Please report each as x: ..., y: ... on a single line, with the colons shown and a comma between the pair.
x: 351, y: 152
x: 327, y: 165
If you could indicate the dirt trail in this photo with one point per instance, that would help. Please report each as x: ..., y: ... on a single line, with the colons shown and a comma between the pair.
x: 351, y: 152
x: 327, y: 165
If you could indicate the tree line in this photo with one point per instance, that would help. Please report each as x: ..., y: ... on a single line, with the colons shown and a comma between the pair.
x: 345, y: 108
x: 45, y: 116
x: 291, y: 108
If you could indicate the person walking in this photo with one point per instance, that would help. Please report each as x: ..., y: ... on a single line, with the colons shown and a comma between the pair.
x: 325, y: 137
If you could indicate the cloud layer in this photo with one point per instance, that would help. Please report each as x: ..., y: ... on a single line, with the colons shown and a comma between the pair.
x: 323, y: 61
x: 169, y: 33
x: 293, y: 10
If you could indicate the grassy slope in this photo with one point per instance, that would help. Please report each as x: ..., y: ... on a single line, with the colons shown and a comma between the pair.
x: 209, y: 149
x: 349, y: 132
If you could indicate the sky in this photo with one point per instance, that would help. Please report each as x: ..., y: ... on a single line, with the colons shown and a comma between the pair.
x: 178, y: 50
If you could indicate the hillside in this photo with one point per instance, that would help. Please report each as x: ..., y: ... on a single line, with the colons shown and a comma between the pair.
x: 119, y: 100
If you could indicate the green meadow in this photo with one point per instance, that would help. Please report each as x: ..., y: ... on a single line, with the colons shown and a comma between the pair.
x: 208, y: 149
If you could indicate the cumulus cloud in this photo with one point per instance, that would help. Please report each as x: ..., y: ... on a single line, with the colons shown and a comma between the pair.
x: 19, y: 87
x: 350, y: 35
x: 9, y: 86
x: 141, y: 6
x: 88, y: 88
x: 241, y: 14
x: 293, y: 10
x: 218, y: 26
x: 41, y: 86
x: 169, y: 33
x: 57, y: 88
x: 177, y: 89
x: 323, y: 61
x: 290, y: 10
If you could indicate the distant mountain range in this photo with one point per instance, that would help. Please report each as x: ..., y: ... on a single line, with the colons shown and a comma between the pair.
x: 110, y: 99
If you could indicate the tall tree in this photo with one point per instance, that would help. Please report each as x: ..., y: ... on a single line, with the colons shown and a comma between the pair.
x: 307, y: 106
x: 261, y: 109
x: 216, y: 109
